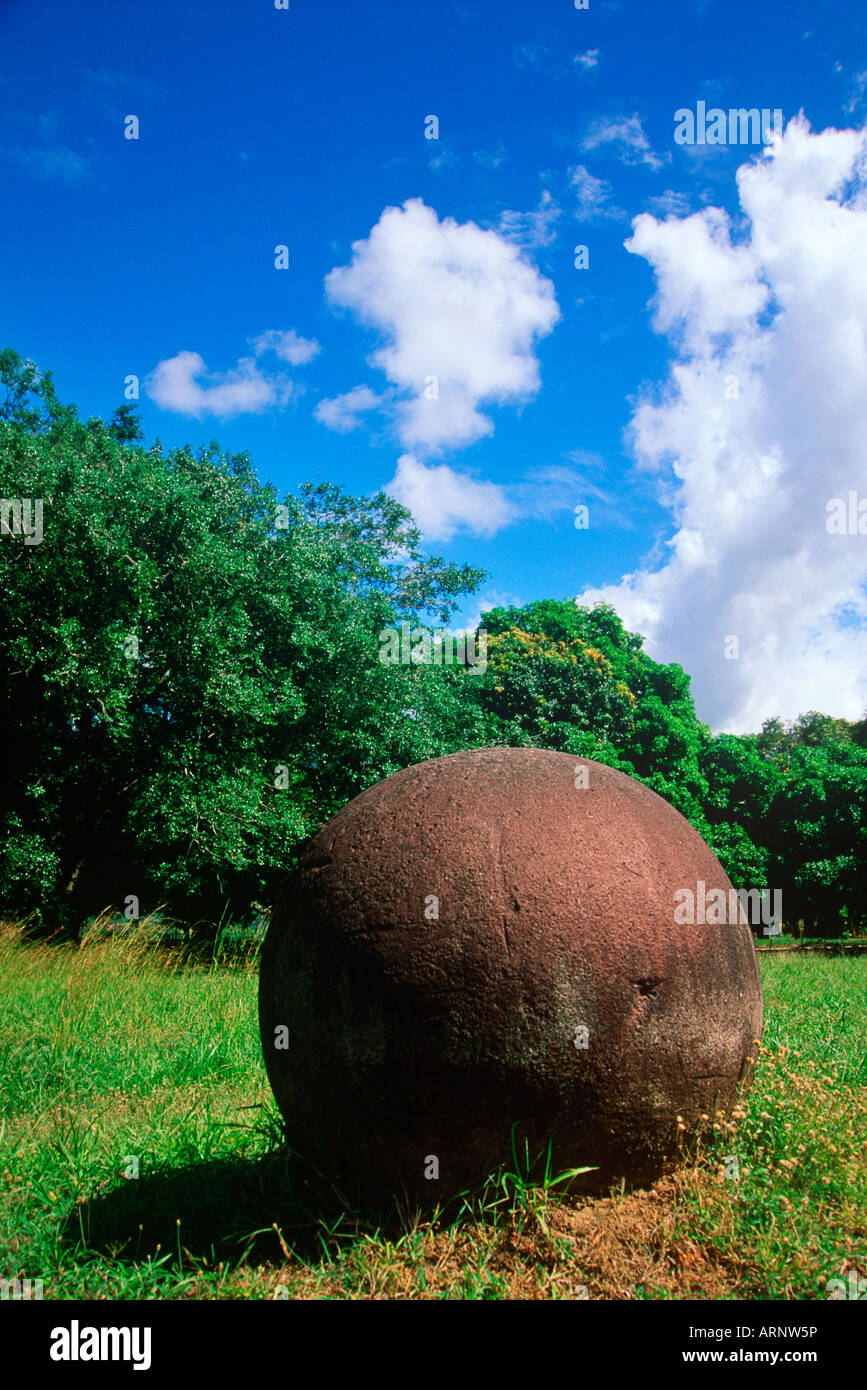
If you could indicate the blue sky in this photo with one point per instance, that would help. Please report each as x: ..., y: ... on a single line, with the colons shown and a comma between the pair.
x: 557, y: 386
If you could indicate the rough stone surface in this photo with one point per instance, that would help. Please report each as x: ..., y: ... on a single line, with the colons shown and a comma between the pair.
x: 412, y: 1037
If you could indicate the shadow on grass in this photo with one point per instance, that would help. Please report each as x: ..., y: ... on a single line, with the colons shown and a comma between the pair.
x: 262, y: 1211
x: 226, y: 1210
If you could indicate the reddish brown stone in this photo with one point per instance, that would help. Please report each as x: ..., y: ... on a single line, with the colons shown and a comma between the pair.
x: 411, y: 1036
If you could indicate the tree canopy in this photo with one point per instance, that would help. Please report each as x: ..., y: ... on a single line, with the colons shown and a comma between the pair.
x: 192, y: 680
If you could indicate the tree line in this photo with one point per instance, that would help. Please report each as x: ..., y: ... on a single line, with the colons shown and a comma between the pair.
x: 193, y: 685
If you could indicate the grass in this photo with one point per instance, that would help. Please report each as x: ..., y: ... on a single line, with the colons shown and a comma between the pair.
x: 120, y: 1057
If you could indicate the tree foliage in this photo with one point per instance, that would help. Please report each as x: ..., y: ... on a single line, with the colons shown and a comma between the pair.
x: 192, y: 682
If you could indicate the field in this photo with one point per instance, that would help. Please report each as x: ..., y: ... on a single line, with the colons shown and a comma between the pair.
x: 140, y: 1158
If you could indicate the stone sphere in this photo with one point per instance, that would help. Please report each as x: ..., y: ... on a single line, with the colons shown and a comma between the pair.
x: 480, y: 957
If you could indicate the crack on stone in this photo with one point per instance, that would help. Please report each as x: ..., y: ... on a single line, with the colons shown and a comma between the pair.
x: 504, y: 895
x: 506, y: 939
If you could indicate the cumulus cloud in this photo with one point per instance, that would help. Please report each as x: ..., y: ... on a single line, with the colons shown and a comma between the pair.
x: 762, y: 421
x: 343, y: 413
x: 706, y: 286
x: 460, y: 310
x: 625, y: 137
x: 175, y: 384
x: 588, y: 59
x: 443, y: 502
x: 184, y: 384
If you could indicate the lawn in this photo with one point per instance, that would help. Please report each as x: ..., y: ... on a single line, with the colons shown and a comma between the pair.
x: 140, y: 1157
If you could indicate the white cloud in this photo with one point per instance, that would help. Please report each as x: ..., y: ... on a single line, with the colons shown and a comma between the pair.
x: 290, y: 346
x: 343, y: 413
x: 490, y: 159
x: 441, y: 157
x: 625, y: 134
x: 670, y: 203
x: 705, y: 285
x: 593, y: 195
x: 783, y: 314
x: 60, y: 162
x: 443, y: 501
x: 859, y: 86
x: 532, y: 55
x: 34, y: 142
x: 531, y: 229
x: 174, y: 385
x: 460, y: 310
x: 547, y: 60
x: 555, y: 488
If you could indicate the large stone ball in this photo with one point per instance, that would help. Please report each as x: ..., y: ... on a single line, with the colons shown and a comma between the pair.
x: 482, y: 951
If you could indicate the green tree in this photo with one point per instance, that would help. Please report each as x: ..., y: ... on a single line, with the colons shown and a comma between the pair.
x: 126, y: 426
x: 192, y: 680
x: 577, y: 680
x: 741, y: 784
x: 817, y: 836
x: 549, y: 692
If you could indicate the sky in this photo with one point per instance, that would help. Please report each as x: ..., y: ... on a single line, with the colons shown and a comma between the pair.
x: 347, y: 238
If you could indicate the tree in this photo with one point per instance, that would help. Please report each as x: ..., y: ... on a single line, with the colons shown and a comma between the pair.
x: 817, y: 836
x: 126, y: 426
x: 543, y: 691
x: 29, y: 399
x: 192, y: 680
x: 571, y: 677
x: 741, y: 784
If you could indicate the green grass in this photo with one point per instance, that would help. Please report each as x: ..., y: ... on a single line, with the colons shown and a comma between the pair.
x: 118, y: 1053
x: 798, y: 1213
